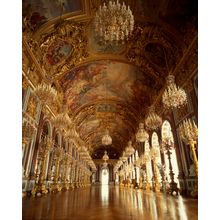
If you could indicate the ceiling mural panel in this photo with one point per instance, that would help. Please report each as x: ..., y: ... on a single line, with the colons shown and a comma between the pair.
x: 58, y: 51
x: 38, y: 12
x: 102, y: 80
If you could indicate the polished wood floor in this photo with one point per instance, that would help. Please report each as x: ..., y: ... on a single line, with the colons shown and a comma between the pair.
x: 109, y: 203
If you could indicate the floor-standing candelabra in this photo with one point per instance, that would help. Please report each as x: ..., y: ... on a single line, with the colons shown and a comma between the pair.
x: 189, y: 134
x: 58, y: 151
x: 146, y: 159
x: 167, y: 146
x: 44, y: 149
x: 154, y: 152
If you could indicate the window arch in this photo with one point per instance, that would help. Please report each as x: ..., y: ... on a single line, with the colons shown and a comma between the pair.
x: 46, y: 130
x: 168, y: 134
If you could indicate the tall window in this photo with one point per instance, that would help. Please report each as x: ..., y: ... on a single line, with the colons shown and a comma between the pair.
x: 167, y: 132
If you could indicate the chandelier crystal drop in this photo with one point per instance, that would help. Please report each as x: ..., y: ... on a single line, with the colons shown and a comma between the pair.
x: 141, y: 135
x: 105, y: 156
x: 173, y: 96
x: 153, y: 121
x: 188, y: 130
x: 113, y: 22
x: 106, y: 139
x: 46, y: 93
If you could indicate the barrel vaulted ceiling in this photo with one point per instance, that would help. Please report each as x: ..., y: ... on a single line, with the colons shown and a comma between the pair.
x: 106, y: 85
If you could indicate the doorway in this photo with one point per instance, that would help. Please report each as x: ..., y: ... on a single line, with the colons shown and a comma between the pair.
x: 105, y: 176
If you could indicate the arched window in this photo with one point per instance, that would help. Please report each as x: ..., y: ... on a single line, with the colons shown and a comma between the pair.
x: 167, y: 135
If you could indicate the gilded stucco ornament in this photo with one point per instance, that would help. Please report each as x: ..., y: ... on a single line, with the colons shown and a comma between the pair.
x: 66, y: 46
x: 32, y: 107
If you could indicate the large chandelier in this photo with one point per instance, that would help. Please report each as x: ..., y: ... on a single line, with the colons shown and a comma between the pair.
x: 123, y: 158
x: 173, y: 96
x: 141, y: 135
x: 129, y: 150
x: 153, y: 121
x: 106, y: 139
x: 46, y: 93
x: 114, y: 22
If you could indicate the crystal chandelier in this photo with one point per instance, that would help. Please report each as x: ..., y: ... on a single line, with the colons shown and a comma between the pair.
x: 105, y: 156
x: 153, y: 121
x: 46, y: 93
x: 173, y: 96
x: 114, y: 22
x: 188, y: 131
x: 141, y: 135
x: 124, y: 157
x: 106, y: 139
x: 129, y: 150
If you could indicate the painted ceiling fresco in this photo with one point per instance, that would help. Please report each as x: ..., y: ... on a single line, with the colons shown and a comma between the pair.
x: 106, y: 94
x: 38, y: 12
x: 58, y: 51
x: 102, y: 80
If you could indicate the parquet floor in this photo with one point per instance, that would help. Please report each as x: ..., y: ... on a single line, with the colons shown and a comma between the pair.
x: 109, y: 203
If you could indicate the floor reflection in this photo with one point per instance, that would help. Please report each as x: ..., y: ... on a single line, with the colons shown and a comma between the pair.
x: 109, y: 202
x: 105, y: 193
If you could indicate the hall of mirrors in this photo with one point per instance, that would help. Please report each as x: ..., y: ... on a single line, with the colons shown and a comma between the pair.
x: 109, y: 127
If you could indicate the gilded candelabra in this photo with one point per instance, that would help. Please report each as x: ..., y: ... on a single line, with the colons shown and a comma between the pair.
x: 44, y: 148
x: 167, y: 146
x: 154, y: 153
x: 146, y: 159
x: 189, y: 134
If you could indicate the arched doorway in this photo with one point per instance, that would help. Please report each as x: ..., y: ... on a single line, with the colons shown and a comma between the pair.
x: 105, y: 176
